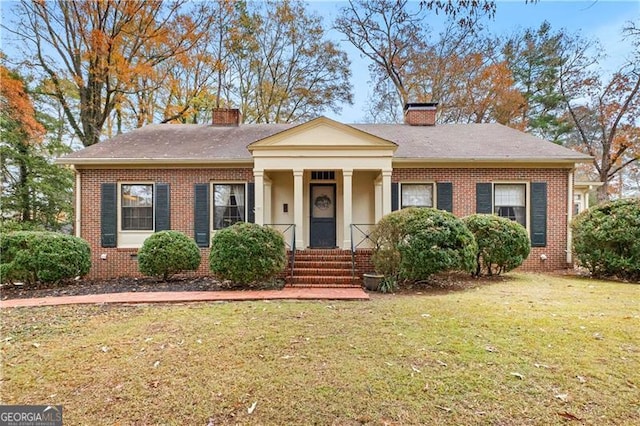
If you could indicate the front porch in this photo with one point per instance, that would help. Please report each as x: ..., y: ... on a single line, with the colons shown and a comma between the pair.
x: 322, y: 177
x: 330, y: 268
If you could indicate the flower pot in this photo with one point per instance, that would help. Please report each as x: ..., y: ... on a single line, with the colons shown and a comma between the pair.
x: 372, y: 281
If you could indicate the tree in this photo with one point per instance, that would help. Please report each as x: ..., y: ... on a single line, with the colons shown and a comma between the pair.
x: 604, y: 113
x: 283, y: 67
x: 103, y: 47
x: 535, y: 58
x: 393, y: 35
x: 34, y: 190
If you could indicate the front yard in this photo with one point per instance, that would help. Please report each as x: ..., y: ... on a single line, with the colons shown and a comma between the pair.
x: 533, y: 349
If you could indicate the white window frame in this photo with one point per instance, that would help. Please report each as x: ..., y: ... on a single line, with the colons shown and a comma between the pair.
x: 133, y: 238
x: 434, y: 193
x: 527, y: 199
x: 212, y: 201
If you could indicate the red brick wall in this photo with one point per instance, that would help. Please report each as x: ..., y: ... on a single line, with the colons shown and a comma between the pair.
x: 226, y: 117
x: 119, y: 262
x: 464, y: 202
x: 420, y: 117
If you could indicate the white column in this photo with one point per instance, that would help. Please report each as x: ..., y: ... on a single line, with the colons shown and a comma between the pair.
x: 267, y: 200
x: 78, y: 209
x: 386, y: 192
x: 347, y: 207
x: 569, y: 215
x: 298, y: 207
x: 258, y: 178
x: 377, y: 199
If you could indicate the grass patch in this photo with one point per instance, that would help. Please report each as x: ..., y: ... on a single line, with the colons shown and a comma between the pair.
x: 532, y: 350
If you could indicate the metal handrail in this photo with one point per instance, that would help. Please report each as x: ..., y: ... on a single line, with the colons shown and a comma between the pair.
x: 283, y: 228
x: 364, y: 231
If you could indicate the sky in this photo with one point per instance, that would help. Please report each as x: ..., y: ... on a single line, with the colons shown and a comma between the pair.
x: 597, y: 19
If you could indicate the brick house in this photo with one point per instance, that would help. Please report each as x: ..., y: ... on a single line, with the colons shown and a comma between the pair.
x: 322, y: 183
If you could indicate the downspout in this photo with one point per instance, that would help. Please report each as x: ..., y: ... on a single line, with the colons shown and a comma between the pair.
x: 78, y: 203
x: 569, y: 216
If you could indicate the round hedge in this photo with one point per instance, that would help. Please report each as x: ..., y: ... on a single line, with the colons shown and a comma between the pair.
x: 166, y: 253
x: 415, y: 243
x: 246, y: 253
x: 503, y: 244
x: 45, y: 257
x: 606, y: 239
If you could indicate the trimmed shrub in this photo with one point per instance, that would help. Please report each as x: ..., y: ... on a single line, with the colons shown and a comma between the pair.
x: 166, y: 253
x: 503, y: 244
x: 415, y: 243
x: 246, y: 253
x: 606, y: 239
x: 45, y: 257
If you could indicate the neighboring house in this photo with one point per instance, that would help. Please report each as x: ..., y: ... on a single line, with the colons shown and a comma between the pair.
x: 321, y: 176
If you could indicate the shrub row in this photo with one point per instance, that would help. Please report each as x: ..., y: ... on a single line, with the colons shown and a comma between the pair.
x: 244, y: 253
x: 415, y: 243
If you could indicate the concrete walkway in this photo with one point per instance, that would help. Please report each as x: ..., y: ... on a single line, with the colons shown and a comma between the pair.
x: 195, y: 296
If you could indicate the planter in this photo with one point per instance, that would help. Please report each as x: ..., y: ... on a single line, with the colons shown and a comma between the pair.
x: 372, y: 281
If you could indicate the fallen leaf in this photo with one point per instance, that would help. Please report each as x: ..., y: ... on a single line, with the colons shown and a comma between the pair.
x: 252, y: 408
x: 518, y: 375
x: 569, y: 416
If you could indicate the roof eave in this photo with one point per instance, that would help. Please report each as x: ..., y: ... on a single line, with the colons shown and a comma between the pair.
x: 148, y: 161
x: 545, y: 160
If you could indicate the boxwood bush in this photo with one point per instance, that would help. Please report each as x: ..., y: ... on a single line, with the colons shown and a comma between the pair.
x: 502, y: 243
x: 42, y: 257
x: 415, y: 243
x: 606, y: 239
x: 166, y: 253
x: 247, y: 253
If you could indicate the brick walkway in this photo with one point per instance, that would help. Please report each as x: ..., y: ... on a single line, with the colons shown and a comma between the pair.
x: 195, y: 296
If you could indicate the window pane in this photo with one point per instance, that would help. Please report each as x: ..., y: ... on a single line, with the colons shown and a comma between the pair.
x: 510, y: 202
x: 137, y: 207
x: 228, y: 205
x: 417, y: 195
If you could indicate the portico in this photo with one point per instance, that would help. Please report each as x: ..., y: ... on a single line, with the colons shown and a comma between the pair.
x: 322, y: 176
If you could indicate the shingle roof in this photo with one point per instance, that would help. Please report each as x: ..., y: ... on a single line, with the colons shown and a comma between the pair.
x: 182, y: 142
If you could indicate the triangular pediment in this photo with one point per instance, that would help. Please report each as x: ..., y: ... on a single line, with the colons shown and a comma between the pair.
x: 322, y: 133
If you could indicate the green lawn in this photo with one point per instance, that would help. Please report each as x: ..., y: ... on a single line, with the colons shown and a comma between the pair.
x: 533, y: 349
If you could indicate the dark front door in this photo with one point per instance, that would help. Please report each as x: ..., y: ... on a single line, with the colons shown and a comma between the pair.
x: 323, y: 216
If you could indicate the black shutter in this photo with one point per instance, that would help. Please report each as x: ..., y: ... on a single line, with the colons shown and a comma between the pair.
x: 201, y: 214
x: 484, y: 195
x: 538, y: 214
x: 251, y: 202
x: 394, y: 196
x: 445, y: 196
x: 108, y: 214
x: 162, y: 207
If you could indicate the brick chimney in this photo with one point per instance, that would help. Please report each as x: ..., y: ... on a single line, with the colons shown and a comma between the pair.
x: 226, y: 117
x: 420, y: 114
